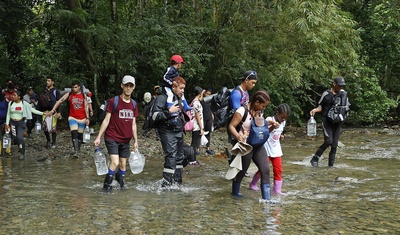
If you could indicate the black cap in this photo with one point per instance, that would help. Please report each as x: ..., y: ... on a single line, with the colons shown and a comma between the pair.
x: 340, y: 81
x: 251, y: 75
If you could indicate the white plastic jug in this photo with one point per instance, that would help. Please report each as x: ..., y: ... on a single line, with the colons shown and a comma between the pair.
x: 136, y: 162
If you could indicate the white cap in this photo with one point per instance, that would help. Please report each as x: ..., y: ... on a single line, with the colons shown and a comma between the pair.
x: 128, y: 79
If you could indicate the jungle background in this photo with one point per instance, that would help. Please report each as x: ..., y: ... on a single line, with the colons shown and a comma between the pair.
x: 297, y: 48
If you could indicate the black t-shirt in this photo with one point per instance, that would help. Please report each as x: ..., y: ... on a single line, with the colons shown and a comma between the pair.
x: 207, y: 114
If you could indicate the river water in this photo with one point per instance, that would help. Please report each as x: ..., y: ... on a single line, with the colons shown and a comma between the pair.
x: 360, y: 195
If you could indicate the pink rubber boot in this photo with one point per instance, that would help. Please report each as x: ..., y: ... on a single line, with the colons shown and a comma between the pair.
x: 278, y: 188
x: 253, y: 183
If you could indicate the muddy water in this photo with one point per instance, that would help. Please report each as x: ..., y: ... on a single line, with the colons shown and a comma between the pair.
x: 360, y: 195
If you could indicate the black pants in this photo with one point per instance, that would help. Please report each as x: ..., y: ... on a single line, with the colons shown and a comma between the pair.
x: 208, y: 127
x: 331, y: 137
x: 259, y: 157
x: 172, y: 144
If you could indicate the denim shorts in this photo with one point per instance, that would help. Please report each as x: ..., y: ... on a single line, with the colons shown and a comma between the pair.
x: 120, y: 149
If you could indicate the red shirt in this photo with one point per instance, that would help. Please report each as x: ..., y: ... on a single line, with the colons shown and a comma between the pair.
x: 9, y: 95
x: 77, y: 106
x: 120, y: 126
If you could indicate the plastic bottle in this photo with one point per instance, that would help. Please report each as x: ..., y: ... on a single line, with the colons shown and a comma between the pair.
x: 7, y: 140
x: 312, y: 127
x: 38, y: 127
x: 86, y: 135
x: 136, y: 162
x: 101, y: 162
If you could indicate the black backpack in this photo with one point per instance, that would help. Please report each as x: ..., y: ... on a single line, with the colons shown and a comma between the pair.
x: 221, y: 108
x: 103, y: 107
x: 148, y: 115
x: 47, y: 100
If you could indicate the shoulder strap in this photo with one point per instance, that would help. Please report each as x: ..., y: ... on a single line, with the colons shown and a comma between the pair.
x: 115, y: 103
x: 246, y: 112
x: 133, y: 103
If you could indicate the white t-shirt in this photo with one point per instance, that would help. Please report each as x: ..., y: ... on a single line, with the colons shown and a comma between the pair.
x: 273, y: 144
x: 197, y: 108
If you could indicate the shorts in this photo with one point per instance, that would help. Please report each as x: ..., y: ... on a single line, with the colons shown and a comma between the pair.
x: 76, y: 124
x: 120, y: 149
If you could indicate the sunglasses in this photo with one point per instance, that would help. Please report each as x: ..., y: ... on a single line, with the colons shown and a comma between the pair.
x: 253, y: 73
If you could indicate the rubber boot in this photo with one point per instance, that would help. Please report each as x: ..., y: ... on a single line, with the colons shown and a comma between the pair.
x: 331, y: 160
x: 266, y: 192
x: 235, y: 189
x: 22, y: 151
x: 107, y: 183
x: 314, y: 161
x: 278, y: 188
x: 178, y: 176
x: 75, y: 143
x: 254, y: 182
x: 167, y: 179
x: 120, y: 179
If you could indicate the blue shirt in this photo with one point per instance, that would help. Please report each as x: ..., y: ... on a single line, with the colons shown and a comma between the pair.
x: 238, y: 97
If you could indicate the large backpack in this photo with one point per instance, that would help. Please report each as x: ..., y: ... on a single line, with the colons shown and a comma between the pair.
x: 46, y: 101
x: 221, y: 108
x: 103, y: 107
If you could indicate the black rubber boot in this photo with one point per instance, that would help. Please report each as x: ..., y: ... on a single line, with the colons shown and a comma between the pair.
x: 314, y: 161
x: 120, y: 179
x: 178, y: 176
x: 75, y: 142
x: 167, y: 179
x: 235, y: 189
x: 22, y: 152
x: 107, y: 183
x: 331, y: 160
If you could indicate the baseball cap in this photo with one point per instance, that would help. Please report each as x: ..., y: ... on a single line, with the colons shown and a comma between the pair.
x: 177, y: 59
x: 340, y: 81
x: 251, y: 75
x: 128, y: 79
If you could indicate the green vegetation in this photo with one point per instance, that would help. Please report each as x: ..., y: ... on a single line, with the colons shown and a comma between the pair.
x: 297, y: 47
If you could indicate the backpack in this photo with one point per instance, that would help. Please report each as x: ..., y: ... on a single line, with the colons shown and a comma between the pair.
x: 221, y: 108
x: 258, y: 134
x: 103, y: 107
x: 231, y: 138
x: 189, y: 126
x: 338, y: 112
x: 45, y: 101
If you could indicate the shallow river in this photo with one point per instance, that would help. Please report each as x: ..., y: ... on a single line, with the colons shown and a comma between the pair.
x: 360, y: 195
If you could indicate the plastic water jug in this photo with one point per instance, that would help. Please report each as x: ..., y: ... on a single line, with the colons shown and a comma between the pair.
x: 136, y: 162
x: 38, y: 127
x: 101, y: 162
x: 86, y: 135
x: 7, y: 140
x: 312, y: 127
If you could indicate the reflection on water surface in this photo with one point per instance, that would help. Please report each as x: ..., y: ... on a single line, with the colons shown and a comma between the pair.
x: 358, y: 196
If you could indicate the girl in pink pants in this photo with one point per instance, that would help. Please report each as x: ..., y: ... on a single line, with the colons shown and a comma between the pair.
x: 274, y: 150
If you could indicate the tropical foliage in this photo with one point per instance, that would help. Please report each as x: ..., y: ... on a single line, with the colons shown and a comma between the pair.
x: 297, y: 47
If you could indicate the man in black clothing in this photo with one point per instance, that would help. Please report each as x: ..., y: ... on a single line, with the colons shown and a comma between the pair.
x: 331, y: 130
x: 169, y: 120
